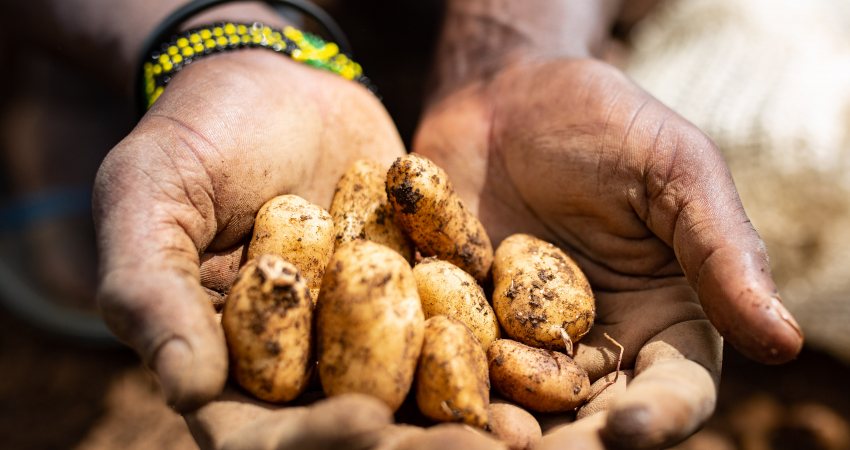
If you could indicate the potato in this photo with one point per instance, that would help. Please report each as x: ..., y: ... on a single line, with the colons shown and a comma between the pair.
x: 267, y: 324
x: 447, y: 290
x: 538, y: 379
x: 299, y: 232
x: 540, y: 295
x: 514, y: 426
x: 452, y: 384
x: 360, y: 209
x: 369, y: 323
x: 433, y: 215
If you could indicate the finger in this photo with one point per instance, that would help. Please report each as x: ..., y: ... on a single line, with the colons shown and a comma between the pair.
x: 604, y: 391
x: 152, y: 216
x: 617, y: 314
x: 694, y: 206
x: 450, y: 437
x: 674, y: 389
x: 351, y: 421
x: 579, y: 435
x: 393, y: 435
x: 228, y: 414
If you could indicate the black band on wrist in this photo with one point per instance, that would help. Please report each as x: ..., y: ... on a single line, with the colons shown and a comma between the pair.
x: 169, y: 27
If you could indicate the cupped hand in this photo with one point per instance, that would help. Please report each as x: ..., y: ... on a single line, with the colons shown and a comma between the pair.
x: 230, y: 132
x: 573, y: 152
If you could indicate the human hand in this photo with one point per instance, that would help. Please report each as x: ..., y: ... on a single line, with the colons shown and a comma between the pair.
x: 572, y: 151
x: 230, y: 132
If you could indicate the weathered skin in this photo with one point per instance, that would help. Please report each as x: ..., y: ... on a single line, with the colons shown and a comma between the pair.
x: 538, y: 379
x: 369, y: 323
x: 267, y: 324
x: 299, y: 232
x: 360, y: 209
x: 433, y: 215
x: 452, y: 383
x: 539, y: 292
x: 447, y: 290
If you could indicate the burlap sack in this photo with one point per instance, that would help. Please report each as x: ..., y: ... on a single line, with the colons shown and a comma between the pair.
x: 769, y: 81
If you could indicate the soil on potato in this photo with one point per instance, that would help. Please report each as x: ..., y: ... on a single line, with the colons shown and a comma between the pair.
x: 55, y: 394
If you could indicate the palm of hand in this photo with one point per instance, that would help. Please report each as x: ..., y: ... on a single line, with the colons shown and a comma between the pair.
x: 573, y: 152
x: 229, y: 133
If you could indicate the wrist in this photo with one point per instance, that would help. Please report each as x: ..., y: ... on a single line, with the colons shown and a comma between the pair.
x: 480, y: 37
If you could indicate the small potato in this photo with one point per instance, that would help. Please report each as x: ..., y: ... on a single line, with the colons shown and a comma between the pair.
x: 360, y: 209
x: 267, y: 323
x: 452, y: 384
x: 299, y: 232
x: 447, y: 290
x: 369, y: 323
x: 538, y: 379
x: 540, y: 295
x: 435, y: 218
x: 514, y: 426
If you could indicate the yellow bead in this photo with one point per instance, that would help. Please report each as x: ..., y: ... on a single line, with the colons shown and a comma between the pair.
x: 172, y: 50
x: 163, y: 59
x: 209, y: 43
x: 241, y: 29
x: 182, y: 42
x: 330, y: 50
x: 205, y: 34
x: 298, y: 55
x: 157, y: 69
x: 217, y: 31
x: 267, y: 31
x: 221, y: 40
x: 229, y: 28
x: 198, y: 47
x: 234, y: 40
x: 188, y: 52
x: 256, y: 39
x: 293, y: 34
x: 167, y: 66
x: 246, y: 39
x: 194, y: 38
x: 177, y: 59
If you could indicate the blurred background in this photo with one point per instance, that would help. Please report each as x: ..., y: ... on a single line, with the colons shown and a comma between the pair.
x: 769, y: 80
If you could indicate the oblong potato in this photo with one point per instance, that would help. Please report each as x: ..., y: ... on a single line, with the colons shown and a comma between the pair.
x: 539, y: 293
x: 369, y: 323
x: 452, y: 383
x: 538, y: 379
x: 433, y: 215
x: 360, y: 209
x: 267, y: 322
x: 299, y: 232
x: 513, y: 425
x: 447, y: 290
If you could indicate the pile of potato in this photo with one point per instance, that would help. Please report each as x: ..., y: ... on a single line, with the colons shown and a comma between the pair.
x: 335, y: 291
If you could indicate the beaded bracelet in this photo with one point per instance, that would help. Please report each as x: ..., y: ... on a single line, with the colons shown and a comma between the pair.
x: 191, y: 45
x: 159, y: 62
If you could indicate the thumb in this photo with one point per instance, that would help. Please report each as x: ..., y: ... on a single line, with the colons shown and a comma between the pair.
x: 150, y: 225
x: 695, y: 207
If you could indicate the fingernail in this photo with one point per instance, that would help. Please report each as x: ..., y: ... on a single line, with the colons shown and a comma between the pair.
x: 171, y: 363
x: 786, y: 316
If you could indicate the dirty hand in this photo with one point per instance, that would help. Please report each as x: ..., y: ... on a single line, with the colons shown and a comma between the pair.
x: 230, y: 132
x: 572, y: 151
